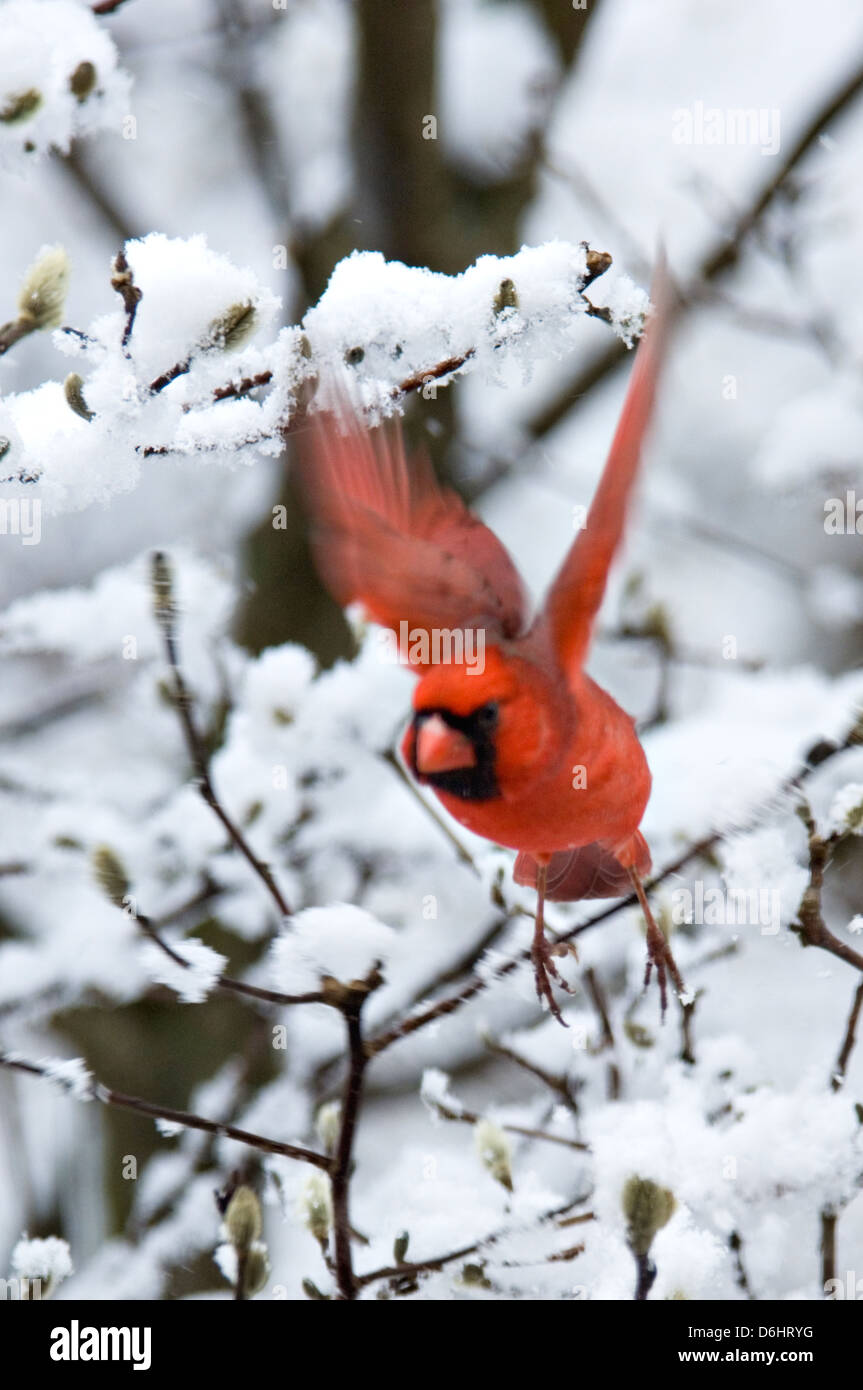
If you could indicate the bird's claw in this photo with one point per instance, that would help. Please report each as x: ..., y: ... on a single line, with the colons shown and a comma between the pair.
x: 659, y: 955
x: 544, y: 971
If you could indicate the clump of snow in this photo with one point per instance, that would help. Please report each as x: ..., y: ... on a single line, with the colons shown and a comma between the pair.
x: 169, y: 1129
x: 435, y: 1091
x: 170, y: 391
x: 341, y: 941
x: 70, y: 1075
x: 59, y: 79
x: 185, y: 288
x: 846, y: 812
x: 193, y: 982
x: 401, y: 321
x: 627, y: 304
x: 48, y: 1258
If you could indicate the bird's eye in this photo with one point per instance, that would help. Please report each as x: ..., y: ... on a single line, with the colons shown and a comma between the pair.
x: 486, y: 715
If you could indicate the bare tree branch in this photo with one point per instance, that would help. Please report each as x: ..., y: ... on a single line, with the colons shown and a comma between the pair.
x: 185, y: 1118
x: 194, y: 743
x: 720, y: 258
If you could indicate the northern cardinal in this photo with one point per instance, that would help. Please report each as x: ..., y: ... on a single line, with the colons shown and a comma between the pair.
x: 529, y: 751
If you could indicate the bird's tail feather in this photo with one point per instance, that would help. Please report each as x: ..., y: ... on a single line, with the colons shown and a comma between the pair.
x: 590, y: 871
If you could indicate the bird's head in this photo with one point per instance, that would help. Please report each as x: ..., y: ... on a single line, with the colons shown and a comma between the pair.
x: 475, y: 732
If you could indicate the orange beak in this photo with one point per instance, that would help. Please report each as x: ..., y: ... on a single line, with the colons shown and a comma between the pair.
x: 441, y: 749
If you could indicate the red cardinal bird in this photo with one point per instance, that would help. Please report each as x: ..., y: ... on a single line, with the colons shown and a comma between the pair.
x: 527, y: 751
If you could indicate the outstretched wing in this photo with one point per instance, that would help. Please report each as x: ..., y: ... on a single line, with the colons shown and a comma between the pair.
x: 386, y: 535
x: 574, y: 598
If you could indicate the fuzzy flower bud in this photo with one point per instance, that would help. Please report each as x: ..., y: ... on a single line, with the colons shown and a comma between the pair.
x: 328, y: 1123
x: 316, y: 1207
x: 110, y: 874
x: 506, y: 297
x: 243, y: 1219
x: 232, y: 328
x: 20, y: 107
x: 83, y: 80
x: 74, y: 393
x: 256, y: 1271
x: 494, y: 1151
x: 162, y: 586
x: 647, y: 1208
x: 43, y: 293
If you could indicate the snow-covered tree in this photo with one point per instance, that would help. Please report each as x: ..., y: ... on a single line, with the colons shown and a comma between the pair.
x: 267, y: 1019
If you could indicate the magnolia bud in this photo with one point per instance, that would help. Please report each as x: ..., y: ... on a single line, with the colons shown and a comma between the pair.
x: 243, y: 1219
x: 473, y: 1276
x: 328, y: 1123
x: 256, y: 1270
x: 110, y: 874
x: 20, y: 107
x: 232, y: 328
x: 637, y: 1033
x: 83, y: 80
x: 72, y: 389
x: 506, y: 297
x: 316, y: 1207
x: 400, y: 1247
x: 596, y: 264
x: 647, y: 1208
x: 494, y: 1151
x: 43, y: 294
x: 162, y: 585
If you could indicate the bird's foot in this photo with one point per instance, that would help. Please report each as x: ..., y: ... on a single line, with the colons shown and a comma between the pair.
x: 659, y: 955
x: 544, y: 971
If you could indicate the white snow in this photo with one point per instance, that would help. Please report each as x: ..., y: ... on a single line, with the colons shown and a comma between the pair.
x: 191, y: 984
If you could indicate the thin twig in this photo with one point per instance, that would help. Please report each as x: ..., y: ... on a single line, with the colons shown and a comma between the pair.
x: 810, y: 925
x: 178, y: 369
x: 829, y: 1220
x: 687, y: 1018
x: 837, y: 1079
x: 124, y: 284
x: 12, y: 333
x: 235, y: 389
x: 558, y: 1084
x: 185, y: 1118
x: 720, y: 258
x: 606, y: 1038
x: 436, y: 373
x: 408, y: 1269
x: 741, y: 1278
x: 342, y: 1164
x: 225, y: 982
x: 470, y: 1117
x: 197, y: 752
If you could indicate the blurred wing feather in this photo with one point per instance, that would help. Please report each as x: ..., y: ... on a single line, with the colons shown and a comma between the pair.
x: 386, y: 535
x: 575, y: 596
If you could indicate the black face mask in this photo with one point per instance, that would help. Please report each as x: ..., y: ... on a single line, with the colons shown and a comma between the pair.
x: 477, y: 783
